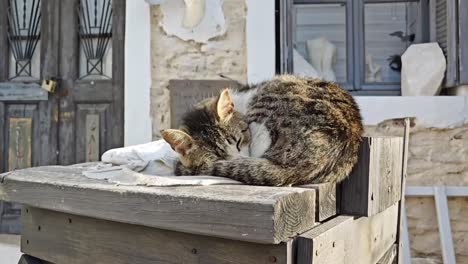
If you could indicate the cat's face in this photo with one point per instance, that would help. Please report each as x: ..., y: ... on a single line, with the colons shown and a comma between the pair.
x: 212, y: 131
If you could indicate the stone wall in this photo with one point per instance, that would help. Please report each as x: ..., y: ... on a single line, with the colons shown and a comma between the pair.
x: 173, y: 58
x: 436, y: 157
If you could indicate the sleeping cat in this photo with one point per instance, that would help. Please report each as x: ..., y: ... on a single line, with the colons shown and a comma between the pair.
x: 285, y: 131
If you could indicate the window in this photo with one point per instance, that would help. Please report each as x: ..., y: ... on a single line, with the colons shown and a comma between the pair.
x: 95, y: 28
x: 24, y: 31
x: 357, y: 43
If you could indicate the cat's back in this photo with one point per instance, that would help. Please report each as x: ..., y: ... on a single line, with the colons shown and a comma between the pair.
x: 290, y: 87
x: 314, y: 125
x: 313, y: 102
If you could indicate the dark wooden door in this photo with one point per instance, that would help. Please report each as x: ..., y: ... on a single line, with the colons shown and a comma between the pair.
x: 28, y: 130
x: 80, y: 45
x: 92, y: 78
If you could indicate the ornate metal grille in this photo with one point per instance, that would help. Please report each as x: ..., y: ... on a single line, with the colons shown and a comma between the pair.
x: 95, y: 27
x: 24, y: 28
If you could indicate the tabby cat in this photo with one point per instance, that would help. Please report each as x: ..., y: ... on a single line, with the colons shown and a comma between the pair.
x: 285, y: 131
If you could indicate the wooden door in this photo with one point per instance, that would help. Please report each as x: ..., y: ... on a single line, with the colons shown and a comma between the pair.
x: 28, y: 130
x: 92, y: 78
x: 80, y: 45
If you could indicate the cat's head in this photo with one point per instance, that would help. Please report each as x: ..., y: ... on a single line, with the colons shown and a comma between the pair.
x: 211, y: 131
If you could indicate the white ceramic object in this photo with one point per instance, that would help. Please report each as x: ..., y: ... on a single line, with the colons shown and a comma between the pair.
x: 322, y: 55
x: 194, y: 13
x: 201, y: 21
x: 423, y: 69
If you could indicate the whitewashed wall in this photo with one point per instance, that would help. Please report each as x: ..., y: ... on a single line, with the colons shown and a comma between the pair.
x: 260, y: 40
x: 137, y: 73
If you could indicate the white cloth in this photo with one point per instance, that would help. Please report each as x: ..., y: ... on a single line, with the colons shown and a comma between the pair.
x: 150, y: 164
x: 154, y: 158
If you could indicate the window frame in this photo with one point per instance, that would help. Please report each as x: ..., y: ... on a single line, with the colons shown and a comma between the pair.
x: 355, y: 42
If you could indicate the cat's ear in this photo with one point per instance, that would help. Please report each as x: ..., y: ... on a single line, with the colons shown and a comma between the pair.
x: 180, y: 141
x: 224, y: 105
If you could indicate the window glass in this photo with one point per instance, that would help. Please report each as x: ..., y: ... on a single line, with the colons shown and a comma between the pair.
x: 95, y: 32
x: 389, y: 29
x: 24, y: 30
x: 319, y: 41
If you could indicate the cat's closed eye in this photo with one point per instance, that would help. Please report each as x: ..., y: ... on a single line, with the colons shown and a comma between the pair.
x: 238, y: 145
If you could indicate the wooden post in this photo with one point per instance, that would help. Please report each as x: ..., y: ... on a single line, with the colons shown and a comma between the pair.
x: 344, y: 239
x: 375, y: 183
x: 403, y: 185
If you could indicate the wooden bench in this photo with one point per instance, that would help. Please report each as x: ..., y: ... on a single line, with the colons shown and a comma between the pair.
x: 68, y: 218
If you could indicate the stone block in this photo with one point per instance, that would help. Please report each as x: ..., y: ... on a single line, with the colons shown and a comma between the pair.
x: 423, y: 69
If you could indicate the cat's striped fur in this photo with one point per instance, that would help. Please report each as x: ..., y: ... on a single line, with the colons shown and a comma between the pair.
x: 314, y: 133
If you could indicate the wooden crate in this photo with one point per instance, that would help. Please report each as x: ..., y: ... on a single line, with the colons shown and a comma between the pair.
x: 68, y: 218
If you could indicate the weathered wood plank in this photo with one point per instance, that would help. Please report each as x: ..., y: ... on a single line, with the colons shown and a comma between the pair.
x: 69, y: 70
x: 347, y: 240
x: 16, y: 112
x: 47, y: 133
x: 375, y: 183
x: 65, y: 238
x: 92, y: 137
x: 185, y: 93
x: 248, y: 213
x: 401, y: 214
x: 19, y: 145
x: 118, y: 65
x: 390, y: 255
x: 326, y: 200
x: 15, y: 91
x: 3, y: 155
x: 98, y: 89
x: 101, y: 115
x: 325, y: 243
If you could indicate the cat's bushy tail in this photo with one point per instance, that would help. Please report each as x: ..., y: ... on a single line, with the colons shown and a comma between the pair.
x: 254, y: 171
x: 333, y: 165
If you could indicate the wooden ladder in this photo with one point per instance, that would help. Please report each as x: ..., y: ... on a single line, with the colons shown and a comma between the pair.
x: 440, y: 194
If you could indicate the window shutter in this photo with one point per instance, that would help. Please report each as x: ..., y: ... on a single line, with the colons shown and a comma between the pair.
x: 444, y: 31
x: 463, y: 41
x: 441, y: 24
